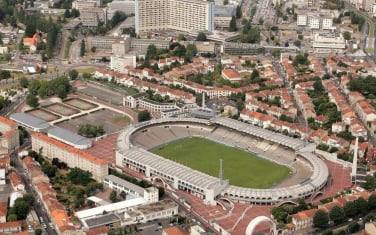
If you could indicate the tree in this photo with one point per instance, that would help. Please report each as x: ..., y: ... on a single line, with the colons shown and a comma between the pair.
x: 82, y: 48
x: 118, y: 17
x: 93, y: 49
x: 73, y: 74
x: 20, y: 208
x: 113, y: 196
x: 123, y: 195
x: 372, y: 202
x: 320, y: 219
x: 190, y: 52
x: 78, y: 176
x: 24, y: 82
x: 151, y: 52
x: 201, y: 37
x: 238, y: 12
x: 336, y: 214
x: 347, y: 35
x: 12, y: 217
x: 297, y: 43
x: 233, y: 27
x: 351, y: 209
x: 75, y: 13
x: 144, y: 115
x: 67, y: 14
x: 32, y: 101
x: 38, y: 231
x: 362, y: 204
x: 61, y: 92
x: 28, y: 198
x: 181, y: 37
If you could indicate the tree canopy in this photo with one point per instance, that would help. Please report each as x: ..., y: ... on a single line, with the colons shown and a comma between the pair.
x: 144, y: 115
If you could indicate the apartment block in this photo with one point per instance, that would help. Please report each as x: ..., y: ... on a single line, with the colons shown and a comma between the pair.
x: 315, y: 21
x: 9, y: 136
x: 124, y: 6
x: 79, y: 5
x: 73, y: 157
x: 180, y: 15
x: 91, y: 17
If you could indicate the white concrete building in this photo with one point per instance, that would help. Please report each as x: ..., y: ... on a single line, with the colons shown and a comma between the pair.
x: 115, y: 183
x: 302, y: 20
x: 314, y: 22
x: 118, y: 63
x: 327, y: 23
x: 328, y: 42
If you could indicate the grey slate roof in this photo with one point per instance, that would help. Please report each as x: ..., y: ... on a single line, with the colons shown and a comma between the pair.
x: 125, y: 183
x: 68, y: 136
x: 29, y: 120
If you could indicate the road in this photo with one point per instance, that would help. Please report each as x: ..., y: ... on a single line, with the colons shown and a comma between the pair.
x: 38, y: 206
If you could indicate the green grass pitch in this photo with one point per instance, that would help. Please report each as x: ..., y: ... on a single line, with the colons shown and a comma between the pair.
x: 241, y: 168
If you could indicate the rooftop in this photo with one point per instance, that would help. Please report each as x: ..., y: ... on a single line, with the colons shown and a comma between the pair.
x: 29, y: 121
x: 124, y: 183
x: 102, y: 220
x: 68, y: 137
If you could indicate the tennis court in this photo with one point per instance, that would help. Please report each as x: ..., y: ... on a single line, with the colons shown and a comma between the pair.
x: 43, y: 114
x: 61, y: 109
x: 80, y: 104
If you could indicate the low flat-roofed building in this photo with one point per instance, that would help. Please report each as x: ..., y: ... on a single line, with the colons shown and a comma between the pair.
x: 142, y: 44
x: 148, y: 212
x: 328, y: 42
x: 30, y: 122
x: 68, y: 137
x: 117, y: 207
x: 99, y: 221
x: 149, y: 194
x: 103, y: 42
x: 231, y: 75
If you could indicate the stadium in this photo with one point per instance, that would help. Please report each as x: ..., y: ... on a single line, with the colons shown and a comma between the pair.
x: 308, y: 173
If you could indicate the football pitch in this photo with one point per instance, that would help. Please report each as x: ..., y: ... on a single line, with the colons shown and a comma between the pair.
x: 241, y: 168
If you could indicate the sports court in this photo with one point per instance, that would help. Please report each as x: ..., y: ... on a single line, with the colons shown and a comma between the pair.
x: 43, y: 114
x: 103, y: 117
x: 61, y: 109
x: 80, y: 104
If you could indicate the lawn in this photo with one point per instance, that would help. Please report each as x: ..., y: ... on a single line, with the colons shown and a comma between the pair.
x: 241, y: 168
x: 121, y: 121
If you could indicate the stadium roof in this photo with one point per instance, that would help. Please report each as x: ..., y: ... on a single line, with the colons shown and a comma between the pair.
x: 68, y: 137
x: 30, y: 121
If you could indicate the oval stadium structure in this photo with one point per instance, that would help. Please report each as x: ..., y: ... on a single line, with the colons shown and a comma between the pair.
x: 310, y: 174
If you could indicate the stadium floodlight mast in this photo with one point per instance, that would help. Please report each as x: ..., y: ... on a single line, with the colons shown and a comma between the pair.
x: 220, y: 172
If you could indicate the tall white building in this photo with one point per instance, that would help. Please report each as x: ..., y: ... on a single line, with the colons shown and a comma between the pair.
x: 314, y: 22
x: 180, y: 15
x: 301, y: 20
x: 327, y: 23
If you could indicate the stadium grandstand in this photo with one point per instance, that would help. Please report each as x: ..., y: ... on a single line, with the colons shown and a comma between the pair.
x: 310, y: 172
